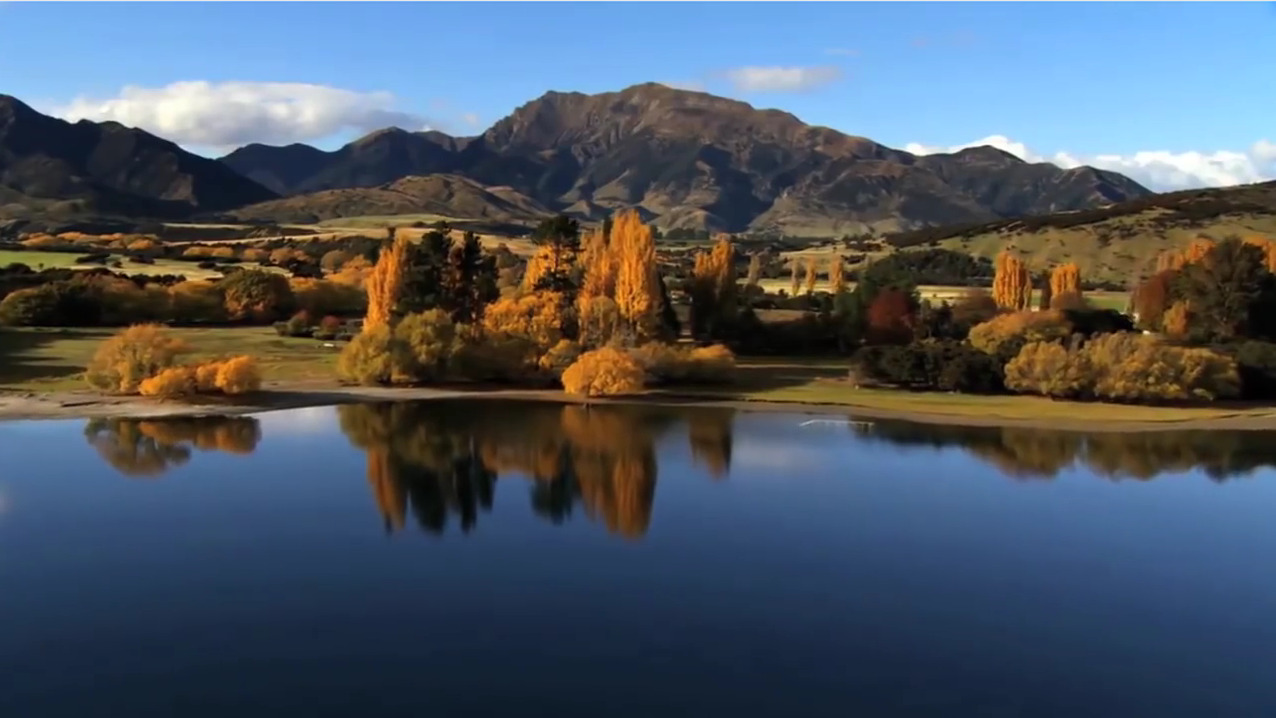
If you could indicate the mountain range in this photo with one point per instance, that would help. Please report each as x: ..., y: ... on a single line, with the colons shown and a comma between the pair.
x: 684, y: 159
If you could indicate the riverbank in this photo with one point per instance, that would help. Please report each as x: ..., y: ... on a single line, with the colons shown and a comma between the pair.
x: 831, y: 398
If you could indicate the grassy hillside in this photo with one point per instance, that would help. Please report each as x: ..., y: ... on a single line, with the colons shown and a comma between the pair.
x: 1119, y: 241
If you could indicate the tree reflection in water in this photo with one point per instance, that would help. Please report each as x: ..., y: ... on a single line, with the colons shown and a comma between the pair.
x: 440, y: 458
x: 1042, y: 454
x: 148, y: 448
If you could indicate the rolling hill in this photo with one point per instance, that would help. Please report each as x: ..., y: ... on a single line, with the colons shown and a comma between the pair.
x: 1116, y: 242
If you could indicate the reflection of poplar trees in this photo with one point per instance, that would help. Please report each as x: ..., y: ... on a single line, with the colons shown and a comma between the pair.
x: 1040, y: 453
x: 443, y: 458
x: 709, y: 431
x: 153, y: 446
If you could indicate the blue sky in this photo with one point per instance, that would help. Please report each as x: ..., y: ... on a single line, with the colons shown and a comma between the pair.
x: 1186, y: 84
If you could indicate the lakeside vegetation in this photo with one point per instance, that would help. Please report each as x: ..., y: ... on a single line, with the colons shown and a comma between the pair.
x: 606, y: 312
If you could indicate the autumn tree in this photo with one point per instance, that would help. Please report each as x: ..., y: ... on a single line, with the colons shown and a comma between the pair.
x: 599, y: 262
x: 559, y: 242
x: 795, y: 279
x: 637, y: 288
x: 1152, y: 298
x: 755, y: 272
x: 133, y: 355
x: 891, y: 317
x: 713, y: 291
x: 385, y: 283
x: 837, y: 275
x: 812, y: 275
x: 604, y: 372
x: 1047, y: 291
x: 1012, y: 282
x: 1065, y: 280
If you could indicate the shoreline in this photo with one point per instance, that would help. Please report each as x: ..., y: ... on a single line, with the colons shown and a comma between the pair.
x: 71, y: 405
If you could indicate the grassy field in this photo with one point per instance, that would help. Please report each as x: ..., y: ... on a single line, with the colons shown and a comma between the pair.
x: 37, y: 260
x: 54, y: 359
x: 821, y: 381
x: 937, y: 294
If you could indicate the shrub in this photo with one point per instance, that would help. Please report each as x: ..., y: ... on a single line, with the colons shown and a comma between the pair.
x: 256, y: 294
x: 604, y: 372
x: 298, y: 325
x: 1027, y: 326
x: 368, y: 358
x: 331, y: 324
x: 943, y: 365
x: 1256, y: 363
x: 206, y: 377
x: 711, y: 364
x: 560, y: 356
x: 423, y: 346
x: 169, y: 383
x: 498, y: 357
x: 1123, y: 367
x: 197, y: 301
x: 238, y: 375
x: 137, y: 353
x: 662, y: 363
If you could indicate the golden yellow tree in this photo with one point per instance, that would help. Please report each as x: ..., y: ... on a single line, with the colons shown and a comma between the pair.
x: 755, y: 270
x: 837, y: 275
x: 795, y: 282
x: 599, y: 259
x: 812, y: 275
x: 637, y: 284
x: 1012, y: 282
x: 385, y: 282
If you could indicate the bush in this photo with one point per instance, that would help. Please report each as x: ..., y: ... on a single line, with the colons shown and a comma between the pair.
x: 710, y: 365
x: 1256, y: 363
x: 930, y: 365
x: 1123, y: 367
x: 206, y: 377
x: 1025, y: 326
x: 133, y: 355
x: 257, y: 295
x: 604, y: 372
x: 423, y: 345
x: 169, y: 383
x: 368, y: 358
x: 69, y: 303
x: 238, y: 375
x: 560, y: 356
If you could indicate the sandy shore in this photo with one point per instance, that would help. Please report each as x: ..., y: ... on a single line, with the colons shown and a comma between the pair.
x: 87, y: 404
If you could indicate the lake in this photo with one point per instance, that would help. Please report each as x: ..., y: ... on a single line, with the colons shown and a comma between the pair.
x: 497, y: 558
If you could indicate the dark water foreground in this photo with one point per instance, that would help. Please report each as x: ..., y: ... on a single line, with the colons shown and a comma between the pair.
x: 494, y: 559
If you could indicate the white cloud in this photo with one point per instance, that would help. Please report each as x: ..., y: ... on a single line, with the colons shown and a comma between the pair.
x: 229, y: 114
x: 781, y: 79
x: 1159, y: 170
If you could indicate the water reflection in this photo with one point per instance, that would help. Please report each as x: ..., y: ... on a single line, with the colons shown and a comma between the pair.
x: 1042, y: 454
x: 436, y: 461
x: 148, y: 448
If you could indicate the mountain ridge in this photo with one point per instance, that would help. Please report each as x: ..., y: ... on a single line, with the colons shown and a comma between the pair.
x: 693, y: 159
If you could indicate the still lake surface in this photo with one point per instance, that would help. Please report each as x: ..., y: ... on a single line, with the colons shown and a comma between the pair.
x: 493, y: 558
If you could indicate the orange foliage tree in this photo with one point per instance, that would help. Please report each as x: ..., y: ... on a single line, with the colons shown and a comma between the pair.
x: 812, y: 275
x: 1065, y: 281
x: 837, y: 275
x: 386, y: 281
x: 713, y: 295
x: 637, y: 283
x: 1012, y: 282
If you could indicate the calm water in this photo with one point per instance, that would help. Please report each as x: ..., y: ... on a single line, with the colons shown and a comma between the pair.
x: 485, y: 559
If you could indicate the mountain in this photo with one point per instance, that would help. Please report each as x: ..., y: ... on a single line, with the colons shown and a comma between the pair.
x: 692, y: 159
x: 439, y: 194
x: 376, y: 159
x: 58, y: 168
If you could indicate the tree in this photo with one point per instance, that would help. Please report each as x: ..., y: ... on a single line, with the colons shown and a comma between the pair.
x: 1152, y: 297
x: 559, y: 238
x: 637, y: 286
x: 1065, y: 279
x: 125, y: 360
x: 1012, y: 283
x: 713, y: 295
x: 470, y: 282
x: 755, y: 272
x: 812, y: 275
x: 1224, y: 289
x: 428, y: 280
x: 257, y: 294
x: 795, y: 281
x: 837, y: 276
x: 385, y: 282
x: 891, y: 317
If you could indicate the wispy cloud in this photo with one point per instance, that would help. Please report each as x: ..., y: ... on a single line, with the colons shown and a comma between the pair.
x: 781, y: 79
